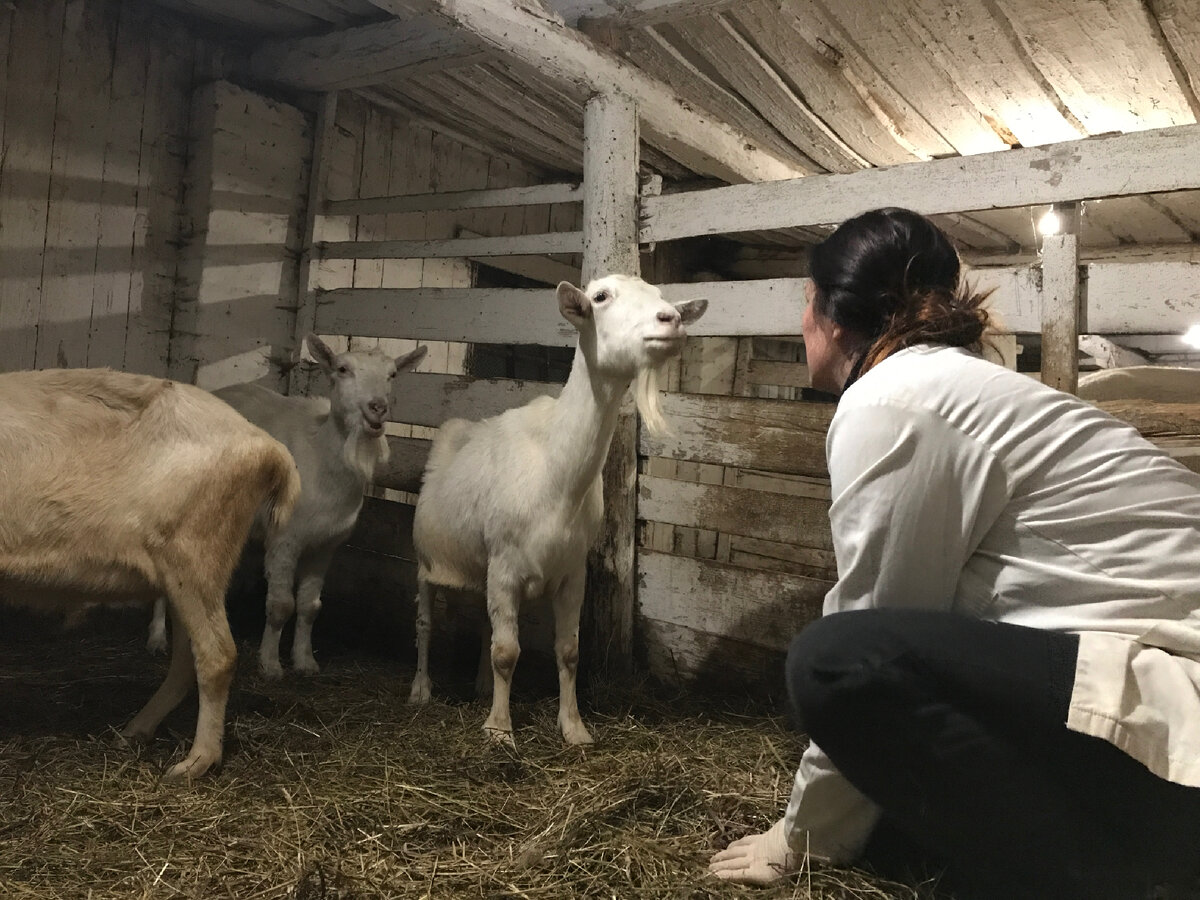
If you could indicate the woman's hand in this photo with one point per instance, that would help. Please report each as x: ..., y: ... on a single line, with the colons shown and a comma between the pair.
x: 756, y: 858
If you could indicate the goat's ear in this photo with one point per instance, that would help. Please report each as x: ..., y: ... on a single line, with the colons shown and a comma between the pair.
x: 410, y: 359
x: 573, y: 303
x: 691, y: 310
x: 321, y: 352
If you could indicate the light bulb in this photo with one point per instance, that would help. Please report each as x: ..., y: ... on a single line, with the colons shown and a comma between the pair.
x: 1049, y: 223
x: 1192, y: 336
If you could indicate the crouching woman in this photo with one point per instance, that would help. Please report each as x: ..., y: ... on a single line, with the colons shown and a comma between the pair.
x: 1007, y: 674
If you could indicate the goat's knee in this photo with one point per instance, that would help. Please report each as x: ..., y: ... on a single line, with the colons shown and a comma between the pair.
x: 504, y: 658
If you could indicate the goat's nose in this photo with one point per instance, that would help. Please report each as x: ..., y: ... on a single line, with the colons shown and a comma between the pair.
x: 379, y: 407
x: 670, y: 317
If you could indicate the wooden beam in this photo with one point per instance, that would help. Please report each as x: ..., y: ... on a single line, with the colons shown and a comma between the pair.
x: 357, y: 57
x: 523, y: 29
x: 1108, y: 353
x: 643, y: 12
x: 546, y: 269
x: 610, y: 227
x: 306, y: 300
x: 526, y: 195
x: 508, y: 245
x: 1105, y: 166
x: 1061, y: 302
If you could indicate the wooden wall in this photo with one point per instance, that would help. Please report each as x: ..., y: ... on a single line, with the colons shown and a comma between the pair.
x: 93, y: 125
x: 245, y: 195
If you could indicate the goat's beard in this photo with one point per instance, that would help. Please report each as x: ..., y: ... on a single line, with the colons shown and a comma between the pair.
x: 363, y: 453
x: 645, y: 395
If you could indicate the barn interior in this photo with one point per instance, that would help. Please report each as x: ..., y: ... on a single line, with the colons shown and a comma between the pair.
x: 189, y: 187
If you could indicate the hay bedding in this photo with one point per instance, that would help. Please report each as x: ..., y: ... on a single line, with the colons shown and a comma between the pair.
x: 333, y: 788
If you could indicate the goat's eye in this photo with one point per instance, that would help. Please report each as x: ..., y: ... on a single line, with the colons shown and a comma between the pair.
x: 342, y: 370
x: 600, y: 297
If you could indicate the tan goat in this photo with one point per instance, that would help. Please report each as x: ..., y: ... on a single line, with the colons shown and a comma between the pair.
x: 115, y: 488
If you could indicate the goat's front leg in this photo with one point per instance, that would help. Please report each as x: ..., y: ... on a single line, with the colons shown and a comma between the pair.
x: 310, y: 579
x: 281, y: 558
x: 568, y: 602
x: 421, y: 686
x: 503, y: 602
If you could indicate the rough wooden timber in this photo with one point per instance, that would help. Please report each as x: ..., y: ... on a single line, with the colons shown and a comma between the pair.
x: 1105, y: 166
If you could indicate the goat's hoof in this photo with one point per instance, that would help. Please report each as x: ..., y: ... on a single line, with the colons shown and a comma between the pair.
x: 500, y: 737
x: 191, y: 768
x: 157, y: 644
x: 130, y: 736
x: 271, y: 670
x: 576, y: 734
x: 420, y: 691
x: 306, y: 667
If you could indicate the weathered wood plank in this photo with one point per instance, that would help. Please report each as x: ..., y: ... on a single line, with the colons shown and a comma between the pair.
x: 76, y: 179
x: 1061, y: 306
x: 886, y: 37
x: 610, y: 224
x: 521, y: 195
x: 33, y: 65
x: 784, y: 374
x: 306, y: 267
x: 776, y: 435
x: 509, y: 245
x: 430, y: 399
x: 169, y: 76
x: 1137, y: 298
x: 731, y: 510
x: 1103, y: 60
x: 1156, y: 420
x: 405, y: 464
x: 1105, y: 166
x: 366, y: 55
x: 756, y: 80
x: 117, y: 219
x: 658, y: 57
x: 831, y: 95
x: 526, y: 32
x: 497, y: 316
x: 760, y: 608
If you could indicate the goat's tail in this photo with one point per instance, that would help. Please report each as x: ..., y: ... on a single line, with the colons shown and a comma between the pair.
x: 283, y: 485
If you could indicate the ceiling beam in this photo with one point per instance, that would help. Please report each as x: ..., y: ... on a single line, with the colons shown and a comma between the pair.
x: 1160, y: 160
x: 363, y: 56
x: 524, y: 29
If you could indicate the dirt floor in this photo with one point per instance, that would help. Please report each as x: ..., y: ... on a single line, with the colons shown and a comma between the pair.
x: 333, y: 788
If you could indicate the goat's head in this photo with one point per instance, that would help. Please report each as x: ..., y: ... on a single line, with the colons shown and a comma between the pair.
x: 624, y: 323
x: 360, y: 383
x: 627, y: 329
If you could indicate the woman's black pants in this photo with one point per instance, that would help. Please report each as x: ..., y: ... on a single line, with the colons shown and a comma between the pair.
x: 955, y: 728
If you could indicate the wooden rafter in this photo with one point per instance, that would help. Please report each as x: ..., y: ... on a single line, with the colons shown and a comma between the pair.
x: 367, y: 55
x: 524, y: 30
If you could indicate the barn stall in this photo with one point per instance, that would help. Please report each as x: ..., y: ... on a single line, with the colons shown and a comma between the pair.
x: 188, y: 188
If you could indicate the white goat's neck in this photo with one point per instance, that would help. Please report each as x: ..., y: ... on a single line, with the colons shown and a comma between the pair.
x: 349, y: 454
x: 582, y: 425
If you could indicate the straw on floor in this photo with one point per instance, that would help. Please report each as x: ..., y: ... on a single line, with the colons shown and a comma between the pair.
x: 333, y: 788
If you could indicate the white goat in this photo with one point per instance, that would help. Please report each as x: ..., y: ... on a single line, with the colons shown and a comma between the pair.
x: 510, y: 505
x: 1163, y: 384
x: 337, y: 443
x: 118, y: 488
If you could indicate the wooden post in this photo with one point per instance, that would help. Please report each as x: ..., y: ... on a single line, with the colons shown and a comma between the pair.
x: 1061, y: 301
x: 306, y: 300
x: 610, y: 244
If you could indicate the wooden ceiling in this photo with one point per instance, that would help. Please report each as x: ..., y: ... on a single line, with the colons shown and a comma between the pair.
x: 737, y: 90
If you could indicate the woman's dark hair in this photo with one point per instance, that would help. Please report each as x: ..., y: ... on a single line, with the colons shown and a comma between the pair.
x: 893, y: 277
